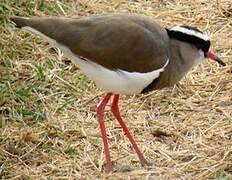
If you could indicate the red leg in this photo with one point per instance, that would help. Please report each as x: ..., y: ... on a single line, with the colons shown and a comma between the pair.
x: 100, y: 114
x: 115, y: 111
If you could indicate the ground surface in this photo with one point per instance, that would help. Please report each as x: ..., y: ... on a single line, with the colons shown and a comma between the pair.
x: 48, y: 124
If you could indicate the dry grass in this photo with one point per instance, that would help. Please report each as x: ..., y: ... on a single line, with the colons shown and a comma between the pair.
x: 48, y: 124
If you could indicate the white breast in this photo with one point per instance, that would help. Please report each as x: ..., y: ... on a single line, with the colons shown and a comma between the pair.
x: 115, y: 81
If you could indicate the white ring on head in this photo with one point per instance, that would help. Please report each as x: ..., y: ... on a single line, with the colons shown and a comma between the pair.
x: 191, y: 32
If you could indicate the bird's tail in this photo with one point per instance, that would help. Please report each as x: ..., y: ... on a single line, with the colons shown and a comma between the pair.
x: 51, y: 27
x: 20, y: 21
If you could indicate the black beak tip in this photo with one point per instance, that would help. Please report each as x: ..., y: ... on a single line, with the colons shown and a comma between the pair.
x: 212, y: 56
x: 221, y: 62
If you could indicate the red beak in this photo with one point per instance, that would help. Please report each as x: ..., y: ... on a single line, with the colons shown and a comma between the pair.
x: 214, y: 57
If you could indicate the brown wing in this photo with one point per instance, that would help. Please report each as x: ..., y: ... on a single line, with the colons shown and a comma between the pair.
x: 131, y: 43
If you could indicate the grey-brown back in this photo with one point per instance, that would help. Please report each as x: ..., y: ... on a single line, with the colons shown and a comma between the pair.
x: 128, y: 42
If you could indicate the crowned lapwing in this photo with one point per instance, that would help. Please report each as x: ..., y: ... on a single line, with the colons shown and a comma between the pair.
x: 123, y: 54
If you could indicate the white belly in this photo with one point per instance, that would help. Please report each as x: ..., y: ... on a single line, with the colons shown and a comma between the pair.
x: 115, y: 81
x: 118, y: 81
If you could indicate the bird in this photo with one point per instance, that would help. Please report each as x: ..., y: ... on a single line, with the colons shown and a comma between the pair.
x: 123, y: 54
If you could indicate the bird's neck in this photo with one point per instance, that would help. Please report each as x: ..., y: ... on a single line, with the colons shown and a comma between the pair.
x: 183, y: 57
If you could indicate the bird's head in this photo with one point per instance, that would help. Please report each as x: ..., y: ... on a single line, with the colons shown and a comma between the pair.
x: 195, y: 37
